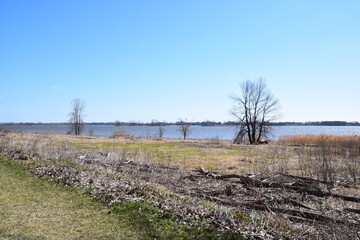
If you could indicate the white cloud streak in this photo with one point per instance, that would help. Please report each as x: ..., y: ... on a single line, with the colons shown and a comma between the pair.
x: 56, y: 88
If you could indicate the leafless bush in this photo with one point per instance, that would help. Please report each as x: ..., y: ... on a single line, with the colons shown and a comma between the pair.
x: 279, y: 159
x: 326, y: 157
x: 305, y: 160
x: 116, y: 159
x: 118, y: 134
x: 4, y: 140
x: 32, y: 146
x: 161, y: 131
x: 216, y: 140
x: 352, y: 161
x: 121, y: 134
x: 274, y: 159
x: 50, y: 150
x: 4, y: 130
x: 14, y: 145
x: 91, y: 132
x: 317, y: 162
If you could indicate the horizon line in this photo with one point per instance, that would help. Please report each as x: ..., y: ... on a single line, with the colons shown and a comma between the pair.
x: 174, y: 122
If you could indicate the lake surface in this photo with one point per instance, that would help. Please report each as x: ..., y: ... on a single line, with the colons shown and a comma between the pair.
x: 197, y: 132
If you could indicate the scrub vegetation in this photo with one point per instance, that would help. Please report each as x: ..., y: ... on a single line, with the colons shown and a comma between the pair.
x: 193, y: 189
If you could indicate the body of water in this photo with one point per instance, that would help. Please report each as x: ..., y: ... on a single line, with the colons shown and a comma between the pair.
x: 197, y: 132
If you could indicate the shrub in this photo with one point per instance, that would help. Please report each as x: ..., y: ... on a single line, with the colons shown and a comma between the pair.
x: 121, y: 134
x: 327, y: 156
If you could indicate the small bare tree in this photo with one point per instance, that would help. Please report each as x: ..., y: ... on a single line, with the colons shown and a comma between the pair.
x: 254, y: 109
x: 76, y: 116
x: 161, y: 131
x: 184, y: 128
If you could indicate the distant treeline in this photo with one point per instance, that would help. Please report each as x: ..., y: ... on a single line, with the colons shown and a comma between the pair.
x: 321, y: 123
x: 156, y: 123
x: 203, y: 123
x: 232, y: 123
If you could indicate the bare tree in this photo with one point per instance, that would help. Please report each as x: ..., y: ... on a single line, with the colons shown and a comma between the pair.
x: 76, y: 116
x: 161, y: 131
x: 184, y: 128
x: 91, y: 132
x: 254, y: 109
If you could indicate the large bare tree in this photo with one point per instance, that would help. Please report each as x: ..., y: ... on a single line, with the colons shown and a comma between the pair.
x: 76, y: 116
x: 254, y: 109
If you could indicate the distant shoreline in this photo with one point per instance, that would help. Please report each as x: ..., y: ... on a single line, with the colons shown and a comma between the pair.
x: 205, y: 123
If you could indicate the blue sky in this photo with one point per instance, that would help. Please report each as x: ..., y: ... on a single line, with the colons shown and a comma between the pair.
x: 165, y: 60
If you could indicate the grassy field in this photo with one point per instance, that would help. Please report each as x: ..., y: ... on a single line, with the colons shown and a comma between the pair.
x: 34, y: 209
x: 211, y: 154
x: 162, y: 184
x: 31, y: 208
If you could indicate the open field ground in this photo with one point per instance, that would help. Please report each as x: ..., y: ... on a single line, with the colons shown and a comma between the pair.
x: 212, y: 154
x: 31, y: 208
x: 283, y: 190
x: 35, y: 209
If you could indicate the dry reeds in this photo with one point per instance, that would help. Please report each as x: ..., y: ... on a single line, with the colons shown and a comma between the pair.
x: 319, y: 140
x: 327, y: 157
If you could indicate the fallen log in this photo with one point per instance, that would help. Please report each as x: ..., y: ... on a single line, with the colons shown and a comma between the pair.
x: 252, y: 182
x: 295, y: 203
x: 227, y: 176
x: 346, y: 198
x: 296, y: 187
x: 258, y: 205
x: 298, y: 213
x: 305, y: 179
x: 227, y: 191
x: 352, y: 210
x: 320, y: 193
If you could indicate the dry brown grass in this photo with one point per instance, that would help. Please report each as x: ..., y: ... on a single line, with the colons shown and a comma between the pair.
x: 327, y: 157
x: 139, y: 159
x: 317, y: 140
x: 214, y: 155
x: 211, y: 154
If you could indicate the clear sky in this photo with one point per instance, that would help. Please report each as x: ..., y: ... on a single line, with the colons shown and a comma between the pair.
x: 165, y: 60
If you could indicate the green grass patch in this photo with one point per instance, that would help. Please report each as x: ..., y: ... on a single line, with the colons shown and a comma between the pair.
x: 160, y: 224
x: 215, y: 156
x: 131, y: 145
x: 31, y: 208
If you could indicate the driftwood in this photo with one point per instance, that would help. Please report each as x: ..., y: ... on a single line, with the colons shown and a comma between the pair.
x: 320, y: 193
x: 295, y: 203
x: 304, y: 185
x: 297, y: 214
x: 243, y: 179
x: 293, y: 212
x: 352, y: 210
x: 259, y: 205
x: 305, y: 179
x: 346, y: 198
